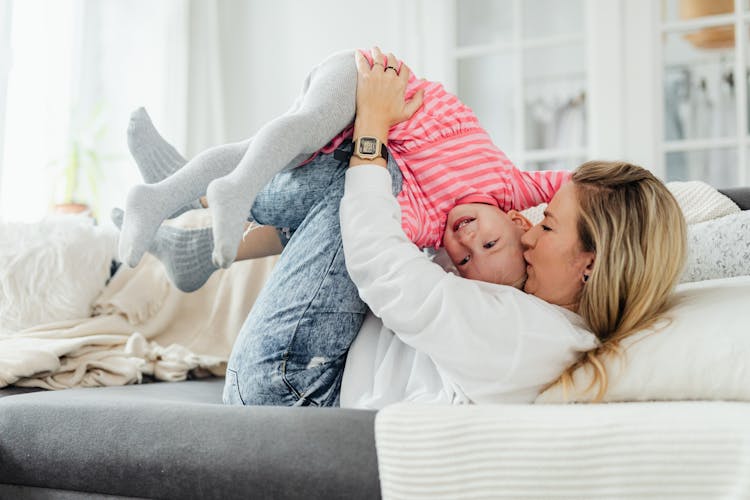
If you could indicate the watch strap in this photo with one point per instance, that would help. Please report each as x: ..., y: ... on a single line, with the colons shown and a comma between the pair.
x: 384, y: 151
x: 344, y: 151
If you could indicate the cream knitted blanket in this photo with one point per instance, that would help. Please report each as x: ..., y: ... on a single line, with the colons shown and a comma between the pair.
x: 141, y: 326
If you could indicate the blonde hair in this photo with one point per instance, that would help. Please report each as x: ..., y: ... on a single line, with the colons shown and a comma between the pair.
x: 636, y: 228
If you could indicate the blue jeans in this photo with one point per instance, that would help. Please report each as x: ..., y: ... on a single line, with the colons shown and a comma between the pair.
x: 292, y: 347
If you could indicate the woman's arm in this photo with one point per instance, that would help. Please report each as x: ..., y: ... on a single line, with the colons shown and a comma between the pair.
x: 490, y: 340
x: 471, y: 329
x: 450, y: 319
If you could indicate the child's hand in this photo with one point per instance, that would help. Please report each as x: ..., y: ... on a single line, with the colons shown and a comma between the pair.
x: 381, y: 89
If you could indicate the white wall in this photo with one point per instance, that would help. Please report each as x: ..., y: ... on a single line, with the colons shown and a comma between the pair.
x: 269, y: 47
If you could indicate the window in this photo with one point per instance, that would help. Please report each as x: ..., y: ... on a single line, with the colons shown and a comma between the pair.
x: 521, y: 65
x: 76, y: 72
x: 36, y: 108
x: 657, y: 80
x: 704, y: 91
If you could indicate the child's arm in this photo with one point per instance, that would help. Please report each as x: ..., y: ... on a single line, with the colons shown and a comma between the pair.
x: 532, y: 188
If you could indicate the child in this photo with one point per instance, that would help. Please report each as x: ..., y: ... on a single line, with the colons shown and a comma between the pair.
x: 482, y: 241
x: 457, y: 185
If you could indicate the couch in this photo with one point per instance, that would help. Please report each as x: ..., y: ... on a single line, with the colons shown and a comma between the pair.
x: 176, y: 440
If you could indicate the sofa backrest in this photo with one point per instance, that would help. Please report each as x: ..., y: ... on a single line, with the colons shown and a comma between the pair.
x: 740, y: 195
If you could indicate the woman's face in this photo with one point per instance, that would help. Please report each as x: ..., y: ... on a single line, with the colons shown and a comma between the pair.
x: 556, y: 263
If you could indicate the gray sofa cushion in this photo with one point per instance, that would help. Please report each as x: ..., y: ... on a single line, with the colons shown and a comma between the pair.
x: 176, y: 440
x: 12, y: 391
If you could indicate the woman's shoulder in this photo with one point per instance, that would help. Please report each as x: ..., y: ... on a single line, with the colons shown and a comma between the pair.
x: 569, y: 323
x: 504, y: 298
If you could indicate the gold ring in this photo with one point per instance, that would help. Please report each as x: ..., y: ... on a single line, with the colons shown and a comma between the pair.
x: 391, y: 67
x: 380, y: 64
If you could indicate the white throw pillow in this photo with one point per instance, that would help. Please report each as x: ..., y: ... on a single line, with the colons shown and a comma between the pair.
x: 52, y: 270
x: 701, y: 202
x: 701, y: 354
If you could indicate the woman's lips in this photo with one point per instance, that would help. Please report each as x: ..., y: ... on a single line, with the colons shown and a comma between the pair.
x: 461, y: 222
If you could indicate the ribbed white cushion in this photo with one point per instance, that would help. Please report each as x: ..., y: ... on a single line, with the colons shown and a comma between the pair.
x: 679, y: 450
x: 701, y: 202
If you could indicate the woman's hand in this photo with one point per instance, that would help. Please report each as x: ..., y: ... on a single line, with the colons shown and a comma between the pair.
x: 381, y: 89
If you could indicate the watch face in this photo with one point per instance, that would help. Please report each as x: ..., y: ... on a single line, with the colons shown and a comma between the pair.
x: 368, y: 145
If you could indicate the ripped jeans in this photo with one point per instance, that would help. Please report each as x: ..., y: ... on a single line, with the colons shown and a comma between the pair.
x: 293, y: 345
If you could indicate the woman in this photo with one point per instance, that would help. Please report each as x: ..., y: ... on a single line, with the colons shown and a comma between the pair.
x: 599, y: 262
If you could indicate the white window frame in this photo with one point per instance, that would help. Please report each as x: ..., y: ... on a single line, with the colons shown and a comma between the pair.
x: 639, y: 65
x: 740, y: 19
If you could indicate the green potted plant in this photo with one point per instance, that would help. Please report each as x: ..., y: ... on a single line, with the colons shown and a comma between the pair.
x: 79, y: 171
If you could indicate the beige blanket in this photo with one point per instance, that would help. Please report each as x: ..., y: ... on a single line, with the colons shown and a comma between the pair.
x: 141, y: 326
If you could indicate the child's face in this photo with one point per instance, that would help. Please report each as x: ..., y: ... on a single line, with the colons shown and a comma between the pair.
x: 484, y: 243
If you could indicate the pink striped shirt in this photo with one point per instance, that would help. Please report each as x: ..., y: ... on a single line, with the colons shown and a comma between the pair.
x: 446, y: 159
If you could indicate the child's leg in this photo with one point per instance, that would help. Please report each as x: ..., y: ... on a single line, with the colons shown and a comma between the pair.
x: 148, y: 205
x: 293, y: 191
x: 284, y: 202
x: 718, y: 248
x: 155, y: 157
x: 326, y: 108
x: 288, y: 197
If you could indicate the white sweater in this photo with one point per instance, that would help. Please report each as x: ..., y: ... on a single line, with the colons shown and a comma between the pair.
x: 439, y: 337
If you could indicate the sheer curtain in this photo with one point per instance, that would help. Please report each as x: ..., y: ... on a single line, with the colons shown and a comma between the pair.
x: 6, y: 11
x: 78, y: 68
x: 205, y: 113
x: 36, y: 104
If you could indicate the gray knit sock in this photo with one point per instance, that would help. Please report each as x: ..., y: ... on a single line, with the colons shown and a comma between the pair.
x: 155, y: 157
x: 185, y: 253
x: 325, y: 107
x: 148, y: 205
